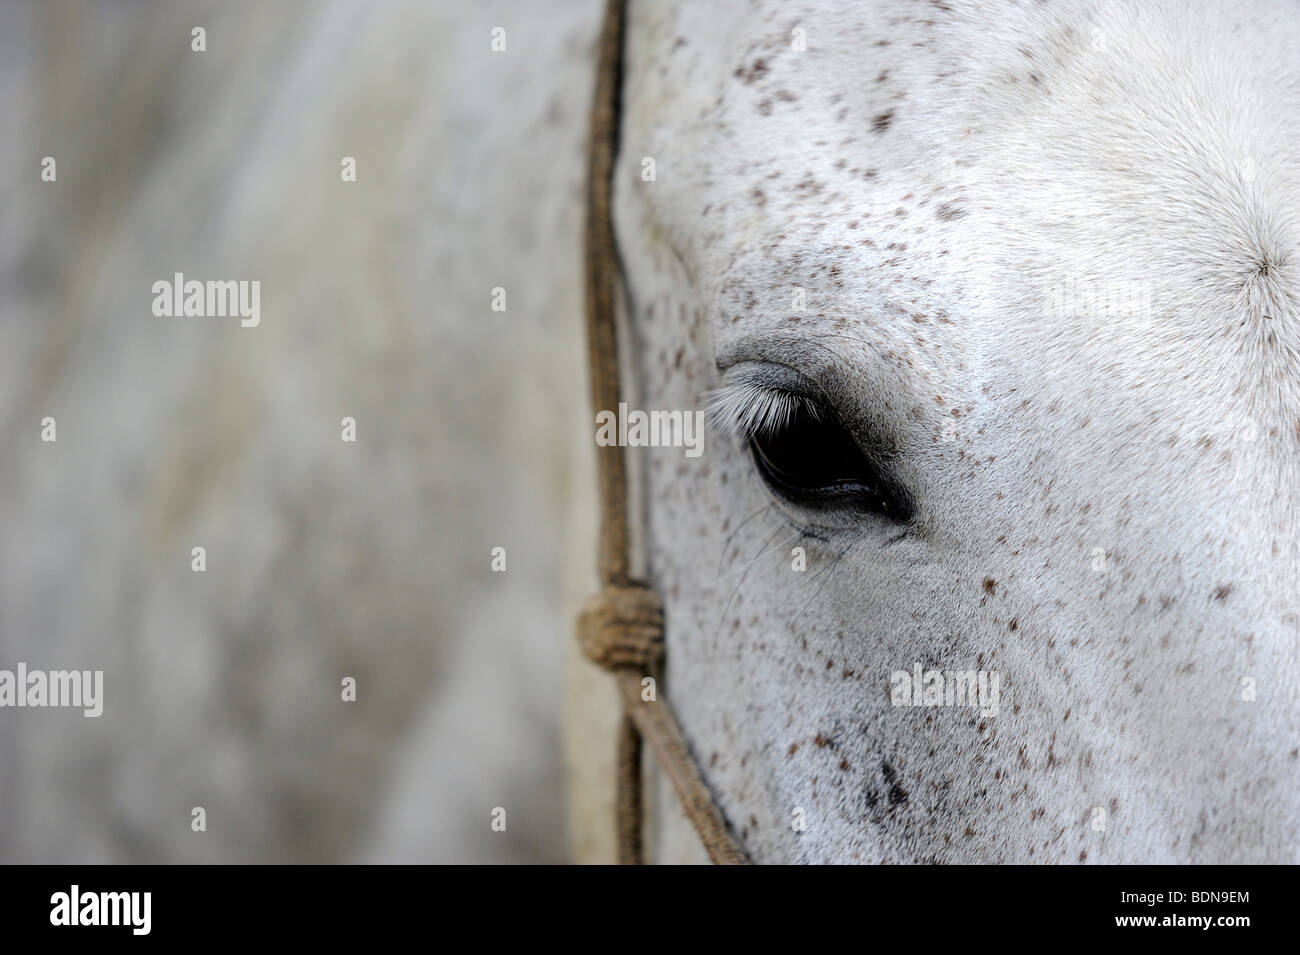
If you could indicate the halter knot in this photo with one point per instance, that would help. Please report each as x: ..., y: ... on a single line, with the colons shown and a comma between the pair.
x: 623, y: 626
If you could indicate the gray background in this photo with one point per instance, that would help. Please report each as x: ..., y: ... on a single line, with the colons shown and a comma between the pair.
x: 325, y: 559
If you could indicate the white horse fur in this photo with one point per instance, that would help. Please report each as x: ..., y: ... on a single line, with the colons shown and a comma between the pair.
x: 1050, y: 256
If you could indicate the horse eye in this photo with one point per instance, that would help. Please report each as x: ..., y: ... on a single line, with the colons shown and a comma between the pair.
x: 813, y: 462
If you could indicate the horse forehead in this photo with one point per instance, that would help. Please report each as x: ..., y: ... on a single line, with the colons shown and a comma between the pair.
x: 909, y: 149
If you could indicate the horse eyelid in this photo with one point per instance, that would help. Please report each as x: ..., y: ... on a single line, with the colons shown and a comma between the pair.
x: 747, y: 409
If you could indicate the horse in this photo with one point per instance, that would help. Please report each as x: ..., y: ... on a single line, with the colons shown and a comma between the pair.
x: 1019, y: 281
x: 997, y: 309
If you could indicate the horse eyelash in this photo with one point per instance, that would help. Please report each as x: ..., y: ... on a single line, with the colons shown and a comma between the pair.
x: 748, y: 408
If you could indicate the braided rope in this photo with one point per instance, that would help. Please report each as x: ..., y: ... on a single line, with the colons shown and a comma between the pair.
x: 622, y: 628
